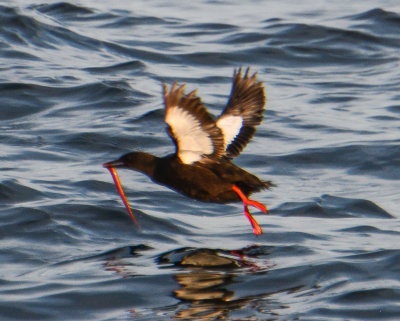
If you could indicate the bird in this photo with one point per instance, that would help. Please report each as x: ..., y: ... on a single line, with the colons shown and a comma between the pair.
x: 201, y: 167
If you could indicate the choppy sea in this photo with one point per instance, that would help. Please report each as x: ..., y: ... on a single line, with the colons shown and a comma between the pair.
x: 80, y: 84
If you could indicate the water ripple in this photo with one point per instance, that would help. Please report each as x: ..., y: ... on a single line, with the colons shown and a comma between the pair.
x: 80, y: 84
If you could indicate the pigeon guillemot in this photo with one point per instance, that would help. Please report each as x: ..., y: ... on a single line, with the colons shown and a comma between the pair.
x: 201, y: 167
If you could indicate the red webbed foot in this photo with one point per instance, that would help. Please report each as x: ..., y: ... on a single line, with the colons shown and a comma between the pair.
x: 246, y: 202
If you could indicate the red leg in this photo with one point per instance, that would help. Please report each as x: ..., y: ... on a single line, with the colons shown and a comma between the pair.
x: 256, y: 227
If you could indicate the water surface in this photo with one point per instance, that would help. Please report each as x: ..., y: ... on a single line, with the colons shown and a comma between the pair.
x: 80, y: 84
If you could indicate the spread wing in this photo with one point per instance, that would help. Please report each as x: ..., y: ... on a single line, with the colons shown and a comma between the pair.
x: 243, y: 112
x: 191, y: 127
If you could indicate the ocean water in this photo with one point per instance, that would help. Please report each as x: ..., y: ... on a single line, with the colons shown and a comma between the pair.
x: 80, y: 84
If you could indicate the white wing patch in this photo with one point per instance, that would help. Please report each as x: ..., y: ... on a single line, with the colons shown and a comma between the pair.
x: 230, y: 126
x: 192, y: 140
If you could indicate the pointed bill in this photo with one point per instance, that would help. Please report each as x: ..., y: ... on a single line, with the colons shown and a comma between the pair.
x: 117, y: 182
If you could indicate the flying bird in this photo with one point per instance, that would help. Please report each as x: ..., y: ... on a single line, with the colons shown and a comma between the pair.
x: 201, y: 167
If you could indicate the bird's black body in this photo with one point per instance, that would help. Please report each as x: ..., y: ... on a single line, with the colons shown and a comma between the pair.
x: 207, y: 182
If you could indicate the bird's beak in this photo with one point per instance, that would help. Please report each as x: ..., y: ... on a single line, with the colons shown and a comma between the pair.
x: 116, y: 163
x: 111, y: 167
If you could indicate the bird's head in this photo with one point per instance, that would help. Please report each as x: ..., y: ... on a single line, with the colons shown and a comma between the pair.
x: 134, y: 160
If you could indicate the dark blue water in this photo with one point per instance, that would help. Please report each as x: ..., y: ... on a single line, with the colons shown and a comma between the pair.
x: 80, y: 84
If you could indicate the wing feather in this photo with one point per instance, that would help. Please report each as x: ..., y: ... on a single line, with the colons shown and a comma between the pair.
x: 190, y: 126
x: 243, y: 112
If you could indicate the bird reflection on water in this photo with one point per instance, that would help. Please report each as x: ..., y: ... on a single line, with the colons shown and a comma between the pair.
x: 203, y: 277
